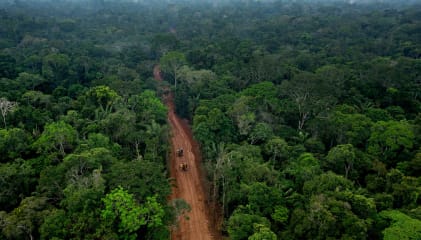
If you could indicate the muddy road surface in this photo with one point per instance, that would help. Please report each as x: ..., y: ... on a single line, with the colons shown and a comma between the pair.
x: 186, y: 170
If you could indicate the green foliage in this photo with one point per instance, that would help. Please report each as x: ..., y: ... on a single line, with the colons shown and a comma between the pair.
x: 350, y: 127
x: 262, y: 199
x: 120, y: 126
x: 341, y: 159
x: 203, y: 83
x: 14, y: 143
x: 263, y: 95
x: 57, y: 137
x: 242, y: 115
x: 404, y: 189
x: 213, y: 126
x: 16, y: 181
x: 148, y: 107
x: 310, y: 94
x: 122, y: 210
x: 82, y: 197
x: 171, y: 63
x: 280, y: 215
x: 304, y: 168
x: 7, y: 66
x: 141, y: 178
x: 31, y: 118
x: 240, y: 225
x: 326, y: 182
x: 102, y: 96
x: 37, y: 99
x: 54, y: 225
x: 326, y: 217
x: 98, y: 140
x: 24, y: 220
x: 262, y: 232
x: 55, y: 66
x: 89, y: 117
x: 87, y: 161
x: 155, y: 142
x: 30, y: 81
x: 277, y: 148
x: 402, y: 226
x: 390, y: 138
x: 414, y: 166
x: 377, y: 114
x: 260, y: 133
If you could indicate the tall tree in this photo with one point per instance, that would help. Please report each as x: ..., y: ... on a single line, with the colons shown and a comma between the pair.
x: 389, y: 139
x: 6, y: 107
x: 104, y: 97
x: 342, y: 158
x: 310, y: 94
x: 171, y: 63
x: 55, y: 66
x: 57, y: 136
x: 122, y: 211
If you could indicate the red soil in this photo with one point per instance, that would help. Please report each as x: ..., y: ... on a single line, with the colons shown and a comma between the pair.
x: 188, y: 183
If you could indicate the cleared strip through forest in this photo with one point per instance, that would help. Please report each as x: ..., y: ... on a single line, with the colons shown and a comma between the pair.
x: 188, y: 184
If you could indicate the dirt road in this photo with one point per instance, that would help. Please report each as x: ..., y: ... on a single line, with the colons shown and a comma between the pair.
x: 188, y: 182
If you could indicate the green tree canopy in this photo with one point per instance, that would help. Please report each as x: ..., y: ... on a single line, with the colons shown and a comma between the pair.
x: 122, y: 211
x: 57, y: 137
x: 390, y: 138
x: 401, y: 227
x: 171, y: 63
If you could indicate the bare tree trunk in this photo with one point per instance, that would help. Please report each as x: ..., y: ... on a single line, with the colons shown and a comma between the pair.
x: 62, y: 148
x: 302, y: 120
x: 347, y: 169
x: 223, y: 196
x: 138, y: 155
x: 4, y: 121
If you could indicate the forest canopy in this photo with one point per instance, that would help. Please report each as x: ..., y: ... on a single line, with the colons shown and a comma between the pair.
x: 307, y: 113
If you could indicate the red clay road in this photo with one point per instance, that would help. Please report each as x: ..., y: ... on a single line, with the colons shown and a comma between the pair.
x: 188, y: 183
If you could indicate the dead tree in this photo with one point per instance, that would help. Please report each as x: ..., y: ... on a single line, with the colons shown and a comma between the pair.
x: 6, y: 106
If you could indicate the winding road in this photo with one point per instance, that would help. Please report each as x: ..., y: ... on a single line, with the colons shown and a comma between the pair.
x: 188, y: 183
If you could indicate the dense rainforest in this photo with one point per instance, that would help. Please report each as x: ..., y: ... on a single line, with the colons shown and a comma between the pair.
x: 308, y: 116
